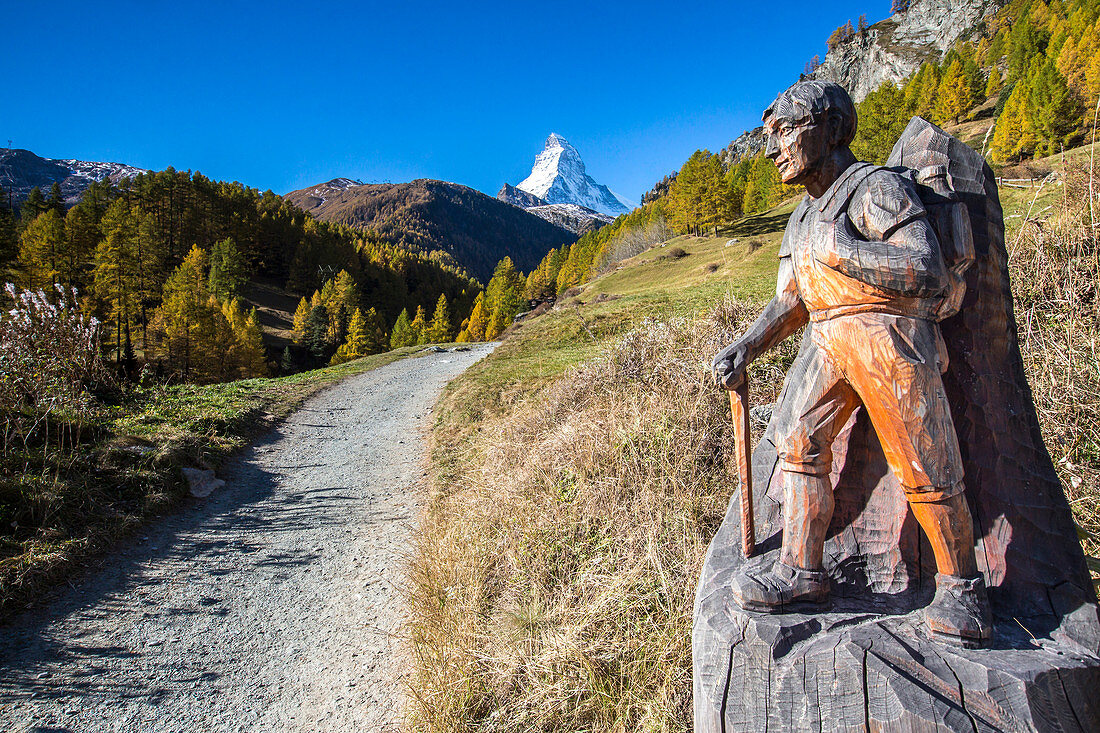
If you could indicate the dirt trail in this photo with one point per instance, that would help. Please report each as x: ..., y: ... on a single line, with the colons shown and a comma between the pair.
x: 270, y: 606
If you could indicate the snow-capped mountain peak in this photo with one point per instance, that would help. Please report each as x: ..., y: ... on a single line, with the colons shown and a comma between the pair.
x: 559, y: 177
x: 21, y: 170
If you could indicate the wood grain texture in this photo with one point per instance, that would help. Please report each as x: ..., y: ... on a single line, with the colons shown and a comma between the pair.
x: 739, y: 411
x: 867, y: 661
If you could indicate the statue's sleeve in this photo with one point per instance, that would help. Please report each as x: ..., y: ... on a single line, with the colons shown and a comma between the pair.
x: 887, y: 241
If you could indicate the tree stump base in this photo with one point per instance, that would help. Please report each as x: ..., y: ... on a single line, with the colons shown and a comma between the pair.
x: 853, y: 666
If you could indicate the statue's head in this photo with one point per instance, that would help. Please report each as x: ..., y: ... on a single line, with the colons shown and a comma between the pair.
x: 805, y: 124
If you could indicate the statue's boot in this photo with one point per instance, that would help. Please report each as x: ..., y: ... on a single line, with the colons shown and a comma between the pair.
x: 960, y: 613
x: 779, y: 588
x: 797, y: 578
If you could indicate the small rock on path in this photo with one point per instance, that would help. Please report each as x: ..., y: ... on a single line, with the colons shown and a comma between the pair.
x: 270, y: 606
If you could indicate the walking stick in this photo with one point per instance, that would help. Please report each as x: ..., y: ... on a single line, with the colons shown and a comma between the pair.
x: 739, y: 407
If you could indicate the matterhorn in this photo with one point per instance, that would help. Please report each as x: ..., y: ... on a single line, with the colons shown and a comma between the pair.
x: 558, y: 177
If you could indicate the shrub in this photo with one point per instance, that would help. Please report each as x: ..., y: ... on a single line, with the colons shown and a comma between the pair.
x: 49, y: 361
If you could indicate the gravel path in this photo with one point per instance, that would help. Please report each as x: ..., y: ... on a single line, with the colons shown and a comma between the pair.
x: 270, y: 606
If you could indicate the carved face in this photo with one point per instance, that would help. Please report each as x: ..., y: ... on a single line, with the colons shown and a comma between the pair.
x: 798, y: 146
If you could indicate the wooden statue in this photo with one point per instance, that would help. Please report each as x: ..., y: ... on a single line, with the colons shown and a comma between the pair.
x: 907, y: 406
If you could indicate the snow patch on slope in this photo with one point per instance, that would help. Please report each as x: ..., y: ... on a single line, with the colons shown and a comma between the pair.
x: 97, y: 171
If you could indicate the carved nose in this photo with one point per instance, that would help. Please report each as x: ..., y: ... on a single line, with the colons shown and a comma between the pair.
x: 771, y: 149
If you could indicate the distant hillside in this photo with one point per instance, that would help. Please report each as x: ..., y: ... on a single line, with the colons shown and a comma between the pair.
x: 425, y: 215
x: 22, y: 170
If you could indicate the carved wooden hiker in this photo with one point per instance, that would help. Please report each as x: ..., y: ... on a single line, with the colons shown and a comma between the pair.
x: 906, y: 407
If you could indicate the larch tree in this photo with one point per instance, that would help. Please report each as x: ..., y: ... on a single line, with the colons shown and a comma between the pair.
x: 954, y: 95
x: 126, y: 267
x: 883, y: 115
x: 357, y: 343
x: 184, y: 315
x: 82, y: 234
x: 419, y: 326
x: 41, y: 250
x: 439, y: 330
x: 375, y: 327
x: 249, y: 353
x: 478, y: 321
x: 301, y: 318
x: 1015, y: 133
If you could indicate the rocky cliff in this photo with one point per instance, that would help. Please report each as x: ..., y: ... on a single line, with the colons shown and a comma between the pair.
x: 894, y: 48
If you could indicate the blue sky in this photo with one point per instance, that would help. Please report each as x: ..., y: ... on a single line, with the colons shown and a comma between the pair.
x: 282, y: 95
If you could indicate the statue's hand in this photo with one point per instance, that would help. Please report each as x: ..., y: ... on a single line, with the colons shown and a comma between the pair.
x: 730, y: 364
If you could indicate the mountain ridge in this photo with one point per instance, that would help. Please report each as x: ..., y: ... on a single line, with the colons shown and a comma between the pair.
x: 428, y: 215
x: 22, y: 170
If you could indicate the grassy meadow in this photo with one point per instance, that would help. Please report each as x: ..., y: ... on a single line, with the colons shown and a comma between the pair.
x: 580, y: 471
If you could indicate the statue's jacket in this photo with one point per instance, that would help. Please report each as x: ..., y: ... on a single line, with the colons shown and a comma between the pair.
x: 853, y: 253
x: 870, y: 272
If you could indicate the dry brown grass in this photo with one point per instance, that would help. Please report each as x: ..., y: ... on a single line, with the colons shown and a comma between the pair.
x: 553, y: 582
x: 554, y: 578
x: 1055, y: 266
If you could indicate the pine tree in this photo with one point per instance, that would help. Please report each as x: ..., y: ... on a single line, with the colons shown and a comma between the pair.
x: 81, y: 235
x: 32, y: 207
x: 56, y: 201
x: 286, y: 363
x: 301, y: 318
x: 439, y: 330
x: 317, y: 332
x: 9, y: 236
x: 402, y: 334
x: 1057, y: 111
x: 228, y: 269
